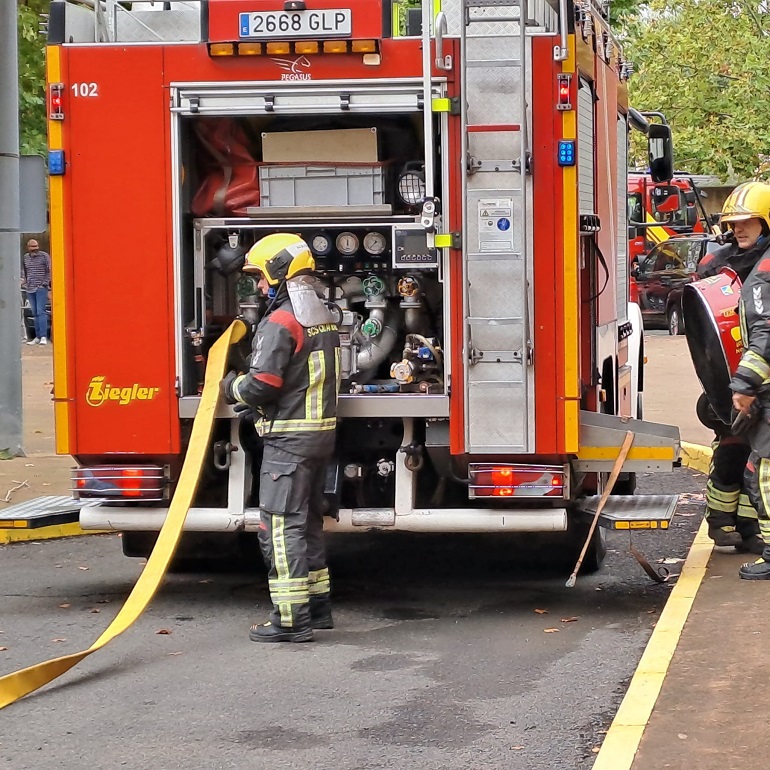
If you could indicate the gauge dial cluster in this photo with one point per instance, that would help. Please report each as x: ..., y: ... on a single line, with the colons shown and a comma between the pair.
x: 340, y: 249
x: 362, y: 249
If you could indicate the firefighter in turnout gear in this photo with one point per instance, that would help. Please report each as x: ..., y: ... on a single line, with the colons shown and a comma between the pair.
x: 292, y: 385
x: 732, y: 519
x: 747, y: 214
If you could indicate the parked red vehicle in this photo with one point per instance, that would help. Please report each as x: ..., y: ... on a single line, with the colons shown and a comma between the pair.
x: 662, y: 275
x: 645, y: 209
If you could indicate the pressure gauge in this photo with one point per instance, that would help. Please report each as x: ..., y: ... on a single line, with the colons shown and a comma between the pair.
x: 347, y: 243
x: 321, y: 244
x: 374, y: 243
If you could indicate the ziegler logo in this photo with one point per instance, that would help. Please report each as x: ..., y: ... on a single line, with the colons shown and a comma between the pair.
x: 295, y: 69
x: 100, y: 391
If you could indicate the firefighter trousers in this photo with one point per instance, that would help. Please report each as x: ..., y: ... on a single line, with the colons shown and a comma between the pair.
x: 757, y: 482
x: 291, y: 501
x: 727, y: 501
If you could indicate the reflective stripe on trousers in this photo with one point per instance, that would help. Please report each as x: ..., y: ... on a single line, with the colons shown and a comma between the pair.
x: 757, y: 479
x: 291, y: 535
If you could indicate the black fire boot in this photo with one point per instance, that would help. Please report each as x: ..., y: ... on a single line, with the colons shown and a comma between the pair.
x: 751, y: 540
x: 724, y: 536
x: 751, y: 544
x: 321, y: 613
x: 759, y: 570
x: 267, y: 632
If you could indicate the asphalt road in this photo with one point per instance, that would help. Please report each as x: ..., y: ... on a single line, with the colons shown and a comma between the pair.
x: 440, y: 660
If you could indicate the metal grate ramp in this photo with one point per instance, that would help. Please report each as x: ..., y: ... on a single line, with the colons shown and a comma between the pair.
x: 632, y: 512
x: 40, y: 512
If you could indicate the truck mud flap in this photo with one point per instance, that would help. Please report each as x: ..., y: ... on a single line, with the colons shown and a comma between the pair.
x: 631, y: 512
x: 20, y: 683
x: 656, y: 447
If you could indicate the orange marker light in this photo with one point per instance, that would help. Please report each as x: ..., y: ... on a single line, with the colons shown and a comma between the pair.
x: 221, y: 49
x: 363, y: 46
x: 278, y: 48
x: 306, y: 46
x: 249, y: 49
x: 335, y: 46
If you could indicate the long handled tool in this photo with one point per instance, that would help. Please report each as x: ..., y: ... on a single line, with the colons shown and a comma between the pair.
x: 20, y: 683
x: 616, y: 468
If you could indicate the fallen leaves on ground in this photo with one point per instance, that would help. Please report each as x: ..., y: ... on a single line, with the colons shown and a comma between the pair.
x: 59, y: 639
x: 175, y: 653
x: 164, y: 631
x: 64, y: 606
x: 551, y: 630
x: 94, y: 610
x: 568, y: 620
x: 3, y: 649
x: 541, y: 612
x: 84, y: 568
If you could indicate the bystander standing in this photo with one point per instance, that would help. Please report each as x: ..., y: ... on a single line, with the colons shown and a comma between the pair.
x: 36, y: 281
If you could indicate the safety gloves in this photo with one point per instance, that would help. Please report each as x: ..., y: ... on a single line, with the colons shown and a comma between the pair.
x: 226, y: 388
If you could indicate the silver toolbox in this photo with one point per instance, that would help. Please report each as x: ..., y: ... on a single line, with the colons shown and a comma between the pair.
x: 314, y: 184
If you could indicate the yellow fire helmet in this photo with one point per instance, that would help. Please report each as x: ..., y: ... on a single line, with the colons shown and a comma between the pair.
x: 279, y: 257
x: 750, y: 200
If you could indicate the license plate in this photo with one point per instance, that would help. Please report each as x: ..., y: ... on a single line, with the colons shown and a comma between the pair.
x: 336, y: 22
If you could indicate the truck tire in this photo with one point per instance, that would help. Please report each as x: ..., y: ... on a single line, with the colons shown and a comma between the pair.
x: 570, y: 543
x: 597, y: 549
x: 674, y: 321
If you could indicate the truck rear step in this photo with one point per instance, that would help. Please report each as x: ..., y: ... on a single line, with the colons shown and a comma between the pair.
x: 632, y: 511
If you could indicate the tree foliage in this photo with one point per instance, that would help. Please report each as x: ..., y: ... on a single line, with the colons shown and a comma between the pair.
x: 31, y: 76
x: 703, y: 63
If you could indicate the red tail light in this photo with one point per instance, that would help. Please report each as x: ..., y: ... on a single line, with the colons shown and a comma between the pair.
x: 514, y: 480
x: 119, y: 482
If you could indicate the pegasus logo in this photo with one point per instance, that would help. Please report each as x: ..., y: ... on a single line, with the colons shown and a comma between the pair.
x: 295, y: 69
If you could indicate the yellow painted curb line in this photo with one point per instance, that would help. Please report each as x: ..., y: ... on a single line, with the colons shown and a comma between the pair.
x: 21, y: 535
x: 696, y: 457
x: 625, y: 733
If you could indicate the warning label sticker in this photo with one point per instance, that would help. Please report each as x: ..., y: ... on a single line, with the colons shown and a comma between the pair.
x: 496, y: 224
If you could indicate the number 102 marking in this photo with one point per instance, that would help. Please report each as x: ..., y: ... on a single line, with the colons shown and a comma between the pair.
x: 85, y: 89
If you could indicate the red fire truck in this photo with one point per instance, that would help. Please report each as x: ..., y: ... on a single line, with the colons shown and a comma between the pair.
x: 459, y: 171
x: 649, y: 225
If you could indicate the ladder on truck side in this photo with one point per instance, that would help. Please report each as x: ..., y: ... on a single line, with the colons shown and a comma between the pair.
x: 495, y: 225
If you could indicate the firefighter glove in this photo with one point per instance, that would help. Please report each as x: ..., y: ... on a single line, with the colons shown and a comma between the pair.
x: 744, y: 421
x: 226, y: 388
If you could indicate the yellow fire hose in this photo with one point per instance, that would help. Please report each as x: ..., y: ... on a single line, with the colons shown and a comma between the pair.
x: 20, y: 683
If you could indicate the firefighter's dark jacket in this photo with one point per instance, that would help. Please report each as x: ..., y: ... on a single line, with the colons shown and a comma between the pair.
x: 293, y: 382
x: 730, y: 256
x: 753, y: 373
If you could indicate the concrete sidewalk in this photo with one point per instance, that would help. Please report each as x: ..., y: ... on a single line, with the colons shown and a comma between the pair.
x: 712, y: 704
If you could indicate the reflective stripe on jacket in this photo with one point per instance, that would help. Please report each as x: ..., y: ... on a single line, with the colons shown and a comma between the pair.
x: 753, y: 370
x: 294, y: 376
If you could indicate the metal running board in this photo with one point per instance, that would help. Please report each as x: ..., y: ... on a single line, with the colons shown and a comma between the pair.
x: 41, y: 512
x: 632, y: 512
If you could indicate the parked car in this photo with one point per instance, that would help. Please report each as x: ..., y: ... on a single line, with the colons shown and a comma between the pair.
x: 662, y: 274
